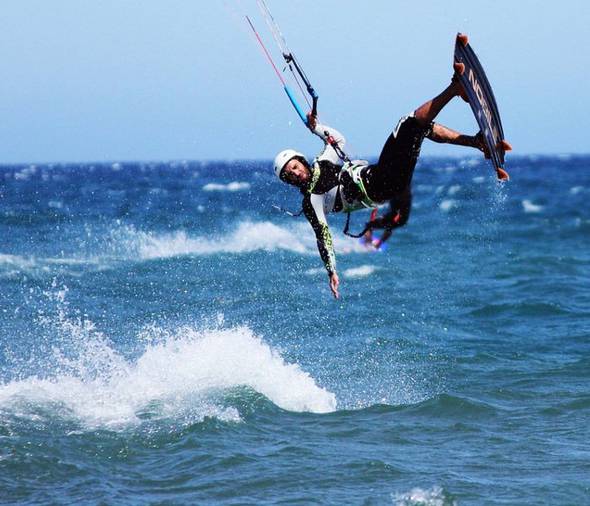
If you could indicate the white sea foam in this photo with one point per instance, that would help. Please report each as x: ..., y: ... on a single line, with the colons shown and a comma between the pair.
x: 469, y: 162
x: 246, y: 238
x: 15, y: 260
x: 454, y: 189
x: 575, y: 190
x: 55, y: 204
x: 530, y: 207
x: 11, y: 265
x: 124, y: 242
x: 424, y: 188
x: 448, y: 205
x: 419, y: 497
x: 26, y: 173
x: 180, y: 375
x: 362, y: 271
x: 234, y: 186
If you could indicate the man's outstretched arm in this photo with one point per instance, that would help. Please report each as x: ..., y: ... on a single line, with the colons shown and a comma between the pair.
x: 314, y: 212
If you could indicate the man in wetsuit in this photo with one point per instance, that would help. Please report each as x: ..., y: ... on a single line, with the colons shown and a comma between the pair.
x: 329, y: 185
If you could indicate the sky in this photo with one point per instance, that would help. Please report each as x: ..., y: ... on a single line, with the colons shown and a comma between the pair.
x: 147, y: 80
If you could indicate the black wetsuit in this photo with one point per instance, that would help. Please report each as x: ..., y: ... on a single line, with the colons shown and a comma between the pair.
x: 336, y: 188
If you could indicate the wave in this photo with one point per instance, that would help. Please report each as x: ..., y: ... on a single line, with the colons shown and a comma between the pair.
x: 454, y: 189
x: 14, y: 265
x: 448, y: 205
x: 530, y: 208
x: 16, y: 261
x: 569, y: 407
x: 445, y: 405
x: 435, y: 496
x: 123, y: 243
x: 234, y: 186
x: 126, y: 243
x: 523, y: 308
x: 362, y: 271
x: 248, y: 237
x: 186, y: 374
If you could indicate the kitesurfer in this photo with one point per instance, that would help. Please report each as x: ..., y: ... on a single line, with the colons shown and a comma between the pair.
x: 330, y: 184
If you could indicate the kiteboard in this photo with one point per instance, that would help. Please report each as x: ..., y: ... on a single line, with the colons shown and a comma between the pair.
x: 483, y: 104
x: 372, y: 241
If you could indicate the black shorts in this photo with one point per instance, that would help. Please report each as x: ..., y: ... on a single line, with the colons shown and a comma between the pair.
x: 391, y: 177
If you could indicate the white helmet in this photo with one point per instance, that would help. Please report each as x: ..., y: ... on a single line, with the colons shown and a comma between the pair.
x: 282, y: 158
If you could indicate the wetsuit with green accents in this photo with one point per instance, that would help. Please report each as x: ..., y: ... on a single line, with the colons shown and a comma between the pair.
x: 336, y: 186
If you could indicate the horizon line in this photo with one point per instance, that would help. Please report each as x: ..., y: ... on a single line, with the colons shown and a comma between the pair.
x: 258, y: 160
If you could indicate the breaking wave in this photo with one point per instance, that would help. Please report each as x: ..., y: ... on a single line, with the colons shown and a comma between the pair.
x: 183, y: 374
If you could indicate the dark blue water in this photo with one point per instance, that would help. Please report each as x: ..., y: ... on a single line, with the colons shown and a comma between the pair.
x: 167, y: 337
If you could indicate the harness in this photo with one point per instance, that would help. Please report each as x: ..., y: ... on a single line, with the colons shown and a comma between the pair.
x: 352, y: 169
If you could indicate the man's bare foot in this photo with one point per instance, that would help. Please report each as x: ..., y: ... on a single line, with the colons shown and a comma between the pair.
x: 456, y: 83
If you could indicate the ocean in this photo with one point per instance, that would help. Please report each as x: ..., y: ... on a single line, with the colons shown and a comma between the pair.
x: 168, y: 337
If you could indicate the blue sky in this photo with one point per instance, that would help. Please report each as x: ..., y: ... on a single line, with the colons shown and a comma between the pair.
x: 183, y: 79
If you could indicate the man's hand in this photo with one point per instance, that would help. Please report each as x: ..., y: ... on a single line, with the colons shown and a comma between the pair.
x: 334, y: 282
x: 312, y: 121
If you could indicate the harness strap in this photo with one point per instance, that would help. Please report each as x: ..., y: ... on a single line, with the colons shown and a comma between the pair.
x: 356, y: 236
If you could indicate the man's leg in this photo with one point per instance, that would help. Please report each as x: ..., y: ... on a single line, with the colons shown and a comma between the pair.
x: 397, y: 216
x: 392, y: 175
x: 426, y: 113
x: 442, y: 134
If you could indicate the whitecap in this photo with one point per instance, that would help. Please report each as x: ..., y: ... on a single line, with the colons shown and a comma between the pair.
x: 453, y: 190
x: 26, y: 173
x: 448, y: 205
x: 16, y: 260
x: 419, y: 497
x: 530, y: 207
x: 234, y: 186
x: 55, y: 204
x: 246, y: 238
x: 469, y: 162
x: 362, y: 271
x: 181, y: 374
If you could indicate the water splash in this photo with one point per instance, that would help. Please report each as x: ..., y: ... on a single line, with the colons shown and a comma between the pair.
x: 234, y: 186
x: 436, y: 496
x: 182, y: 374
x: 246, y: 238
x: 362, y: 271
